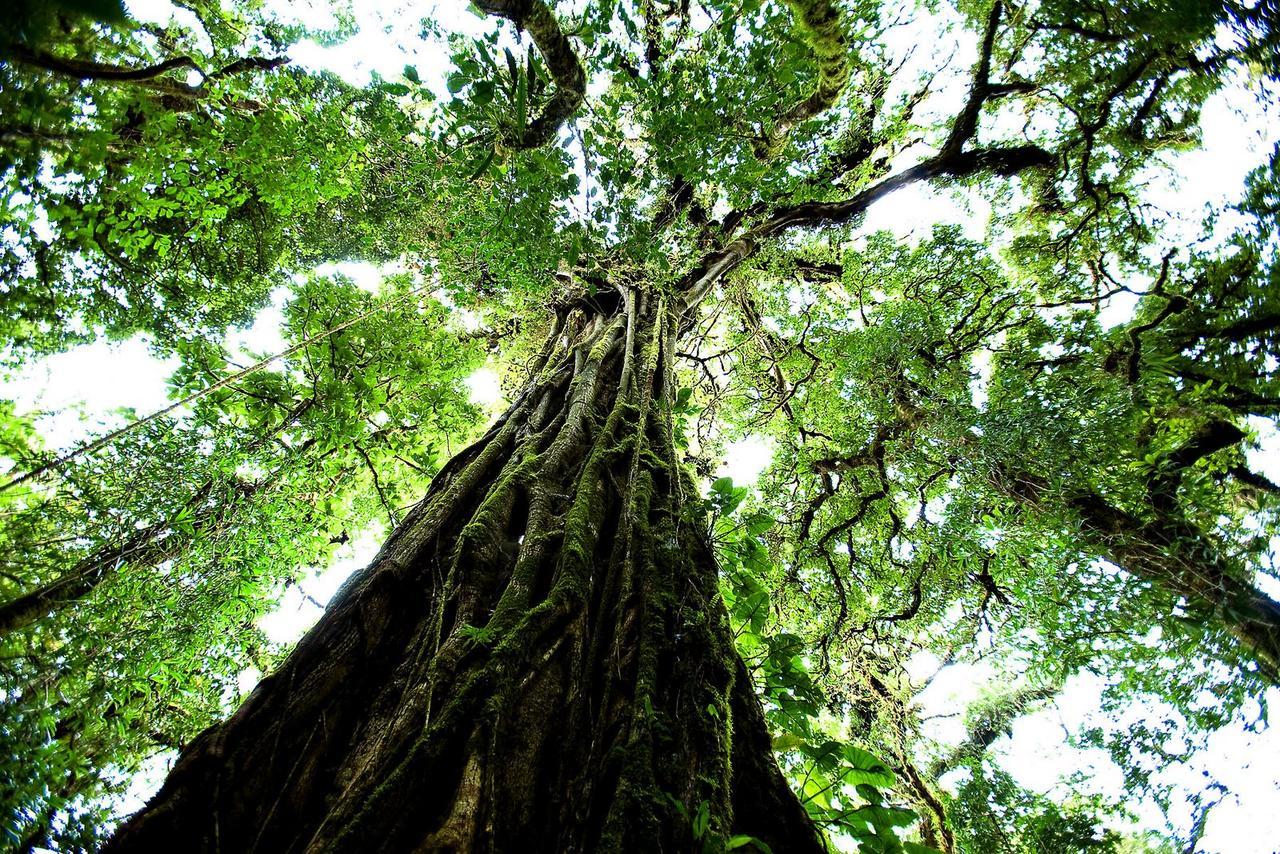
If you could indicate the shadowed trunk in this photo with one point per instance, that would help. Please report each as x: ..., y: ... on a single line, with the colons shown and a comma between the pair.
x: 537, y: 660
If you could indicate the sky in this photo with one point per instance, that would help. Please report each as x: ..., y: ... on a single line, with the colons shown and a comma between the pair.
x: 82, y: 390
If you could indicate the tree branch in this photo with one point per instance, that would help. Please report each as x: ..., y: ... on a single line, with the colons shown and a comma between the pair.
x: 985, y: 728
x: 551, y: 41
x: 83, y: 69
x: 819, y: 22
x: 248, y: 63
x: 966, y: 123
x: 1000, y: 161
x: 1209, y: 439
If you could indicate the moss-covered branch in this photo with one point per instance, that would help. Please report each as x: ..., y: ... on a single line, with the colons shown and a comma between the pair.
x: 820, y: 27
x: 540, y: 21
x: 91, y: 70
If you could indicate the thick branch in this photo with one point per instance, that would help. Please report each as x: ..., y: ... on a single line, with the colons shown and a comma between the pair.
x: 966, y: 123
x: 147, y: 547
x: 83, y: 69
x: 1005, y: 162
x: 819, y: 23
x: 1000, y: 161
x: 1209, y: 439
x: 1243, y: 329
x: 142, y: 547
x: 1251, y: 478
x: 248, y: 63
x: 571, y: 80
x: 1177, y: 556
x: 985, y: 728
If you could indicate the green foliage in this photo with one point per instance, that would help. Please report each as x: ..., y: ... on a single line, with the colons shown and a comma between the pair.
x: 159, y: 205
x: 992, y: 813
x: 32, y: 20
x: 953, y: 464
x: 188, y: 531
x: 975, y: 461
x: 842, y: 786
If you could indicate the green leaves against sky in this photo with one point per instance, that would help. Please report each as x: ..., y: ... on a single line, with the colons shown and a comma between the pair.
x: 976, y: 458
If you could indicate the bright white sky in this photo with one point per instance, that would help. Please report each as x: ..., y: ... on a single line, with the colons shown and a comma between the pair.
x: 82, y: 391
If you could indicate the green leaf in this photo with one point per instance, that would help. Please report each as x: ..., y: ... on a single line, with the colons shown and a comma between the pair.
x: 110, y: 11
x: 884, y: 818
x: 865, y: 768
x: 513, y: 70
x: 482, y: 91
x: 787, y: 741
x: 520, y: 106
x: 701, y: 820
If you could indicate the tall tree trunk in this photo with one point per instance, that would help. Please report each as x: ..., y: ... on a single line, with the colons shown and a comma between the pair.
x: 537, y: 660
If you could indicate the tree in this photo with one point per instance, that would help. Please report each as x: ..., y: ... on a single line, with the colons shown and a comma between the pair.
x: 550, y: 652
x: 126, y: 635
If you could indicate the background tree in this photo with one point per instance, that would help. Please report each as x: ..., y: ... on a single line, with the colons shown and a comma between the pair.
x: 136, y: 580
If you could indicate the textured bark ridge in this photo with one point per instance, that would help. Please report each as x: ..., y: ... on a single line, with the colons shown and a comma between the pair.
x: 537, y: 660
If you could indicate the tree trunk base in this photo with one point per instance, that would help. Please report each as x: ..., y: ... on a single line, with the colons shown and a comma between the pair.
x: 538, y: 659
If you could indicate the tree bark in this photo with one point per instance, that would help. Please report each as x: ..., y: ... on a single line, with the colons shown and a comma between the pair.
x: 537, y: 660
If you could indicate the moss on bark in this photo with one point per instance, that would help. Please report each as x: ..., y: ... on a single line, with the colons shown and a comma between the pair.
x: 537, y: 660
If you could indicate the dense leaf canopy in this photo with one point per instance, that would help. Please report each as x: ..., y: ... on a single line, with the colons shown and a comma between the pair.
x: 1026, y: 439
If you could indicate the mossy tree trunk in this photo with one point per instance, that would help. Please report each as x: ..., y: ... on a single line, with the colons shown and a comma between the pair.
x: 537, y: 660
